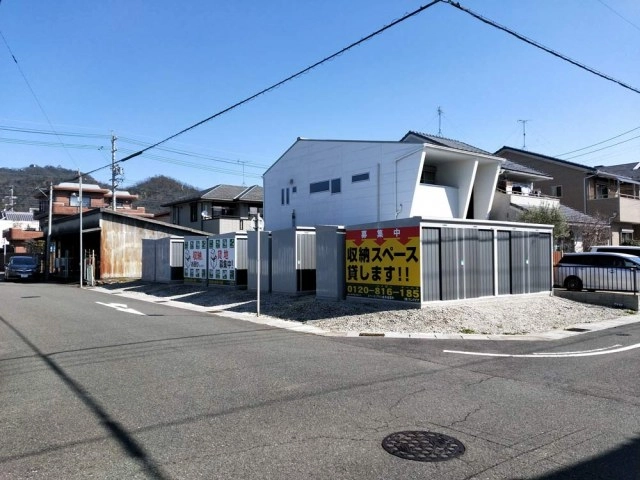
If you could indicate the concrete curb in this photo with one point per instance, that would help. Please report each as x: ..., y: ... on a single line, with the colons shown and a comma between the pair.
x: 578, y: 329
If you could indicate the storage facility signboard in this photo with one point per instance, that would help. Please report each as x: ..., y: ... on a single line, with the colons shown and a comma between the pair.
x: 384, y: 263
x: 222, y: 260
x: 195, y: 258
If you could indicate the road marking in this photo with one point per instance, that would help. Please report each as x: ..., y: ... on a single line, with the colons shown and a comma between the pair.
x: 584, y: 353
x: 121, y: 307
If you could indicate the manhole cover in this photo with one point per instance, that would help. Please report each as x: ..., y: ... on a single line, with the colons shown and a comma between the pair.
x: 423, y: 446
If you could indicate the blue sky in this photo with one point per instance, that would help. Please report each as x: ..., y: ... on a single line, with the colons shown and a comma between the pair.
x: 147, y: 69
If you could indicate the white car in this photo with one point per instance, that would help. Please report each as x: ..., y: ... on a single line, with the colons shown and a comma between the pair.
x: 598, y: 271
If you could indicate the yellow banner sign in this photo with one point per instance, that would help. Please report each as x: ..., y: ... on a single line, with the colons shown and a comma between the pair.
x: 384, y: 263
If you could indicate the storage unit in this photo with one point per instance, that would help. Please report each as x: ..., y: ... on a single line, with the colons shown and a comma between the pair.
x: 330, y: 258
x: 163, y: 259
x: 227, y: 259
x: 265, y: 261
x: 293, y: 261
x: 419, y: 260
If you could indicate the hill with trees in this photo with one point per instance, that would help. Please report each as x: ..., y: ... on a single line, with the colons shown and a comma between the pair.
x: 25, y: 182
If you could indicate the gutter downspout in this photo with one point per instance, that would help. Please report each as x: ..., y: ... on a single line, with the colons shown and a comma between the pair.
x: 421, y: 149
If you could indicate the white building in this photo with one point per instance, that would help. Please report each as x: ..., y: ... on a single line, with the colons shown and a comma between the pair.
x: 344, y: 182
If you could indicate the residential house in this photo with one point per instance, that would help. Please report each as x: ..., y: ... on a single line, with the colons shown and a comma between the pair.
x: 217, y: 210
x: 66, y: 201
x: 17, y: 231
x: 113, y: 237
x: 600, y: 192
x: 347, y: 182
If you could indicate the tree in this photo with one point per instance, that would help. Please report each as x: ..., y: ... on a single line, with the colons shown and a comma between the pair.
x: 548, y: 215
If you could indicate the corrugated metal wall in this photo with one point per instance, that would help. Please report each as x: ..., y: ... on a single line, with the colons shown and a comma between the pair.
x: 478, y: 272
x: 330, y: 263
x: 283, y: 262
x: 467, y: 263
x: 294, y: 260
x: 504, y: 262
x: 430, y: 264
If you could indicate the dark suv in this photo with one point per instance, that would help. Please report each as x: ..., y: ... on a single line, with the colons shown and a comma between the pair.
x: 21, y: 268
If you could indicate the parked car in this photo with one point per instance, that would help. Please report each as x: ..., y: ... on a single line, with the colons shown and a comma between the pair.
x: 21, y: 267
x: 617, y: 249
x: 598, y: 271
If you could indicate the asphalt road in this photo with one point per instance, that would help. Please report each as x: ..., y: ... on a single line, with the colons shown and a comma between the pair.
x: 98, y: 386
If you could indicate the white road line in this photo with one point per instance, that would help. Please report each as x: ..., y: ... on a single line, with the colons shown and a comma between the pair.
x: 586, y: 353
x: 121, y: 307
x: 579, y: 351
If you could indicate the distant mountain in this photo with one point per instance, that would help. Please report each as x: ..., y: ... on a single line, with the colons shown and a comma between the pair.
x: 157, y: 190
x: 152, y: 192
x: 26, y: 181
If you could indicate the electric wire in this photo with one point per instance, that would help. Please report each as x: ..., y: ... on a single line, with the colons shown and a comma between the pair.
x: 599, y: 143
x: 603, y: 148
x: 540, y: 46
x: 280, y: 83
x: 33, y: 93
x: 619, y: 15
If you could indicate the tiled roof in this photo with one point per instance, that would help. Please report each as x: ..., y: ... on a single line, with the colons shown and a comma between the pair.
x: 628, y: 170
x: 451, y: 143
x: 574, y: 216
x: 445, y: 142
x: 18, y: 216
x: 227, y: 193
x: 516, y: 167
x: 543, y: 157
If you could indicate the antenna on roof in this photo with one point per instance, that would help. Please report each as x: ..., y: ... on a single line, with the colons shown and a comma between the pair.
x: 524, y: 133
x: 440, y: 112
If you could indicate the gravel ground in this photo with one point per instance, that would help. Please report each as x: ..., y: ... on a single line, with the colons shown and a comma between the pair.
x: 502, y: 315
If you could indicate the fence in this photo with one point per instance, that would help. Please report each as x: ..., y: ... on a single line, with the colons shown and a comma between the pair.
x: 579, y: 277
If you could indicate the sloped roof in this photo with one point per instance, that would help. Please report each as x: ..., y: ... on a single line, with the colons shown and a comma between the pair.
x: 17, y: 216
x: 445, y: 142
x: 543, y: 157
x: 227, y: 193
x: 629, y: 170
x: 448, y: 142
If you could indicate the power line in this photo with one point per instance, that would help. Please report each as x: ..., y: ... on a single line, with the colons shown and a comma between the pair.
x: 603, y: 148
x: 599, y: 143
x: 620, y: 15
x: 24, y: 77
x: 282, y: 82
x: 540, y: 46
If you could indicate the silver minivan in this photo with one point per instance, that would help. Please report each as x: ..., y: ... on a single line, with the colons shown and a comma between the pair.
x: 616, y: 249
x: 597, y: 271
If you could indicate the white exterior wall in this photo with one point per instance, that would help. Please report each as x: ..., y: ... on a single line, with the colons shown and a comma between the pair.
x: 392, y: 191
x: 365, y: 201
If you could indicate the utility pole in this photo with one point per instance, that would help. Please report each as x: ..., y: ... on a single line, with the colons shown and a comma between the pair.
x: 440, y: 112
x: 115, y: 171
x: 524, y: 133
x: 81, y: 246
x: 48, y: 262
x: 242, y: 162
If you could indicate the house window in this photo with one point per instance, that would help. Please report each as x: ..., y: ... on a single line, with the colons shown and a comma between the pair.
x: 193, y: 209
x: 294, y: 189
x: 75, y: 202
x: 319, y: 187
x: 626, y: 236
x: 602, y: 190
x: 556, y: 191
x: 282, y: 196
x: 335, y: 185
x: 287, y: 196
x: 361, y: 177
x: 428, y: 175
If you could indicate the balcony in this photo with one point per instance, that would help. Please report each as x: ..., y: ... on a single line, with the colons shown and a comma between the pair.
x: 625, y: 207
